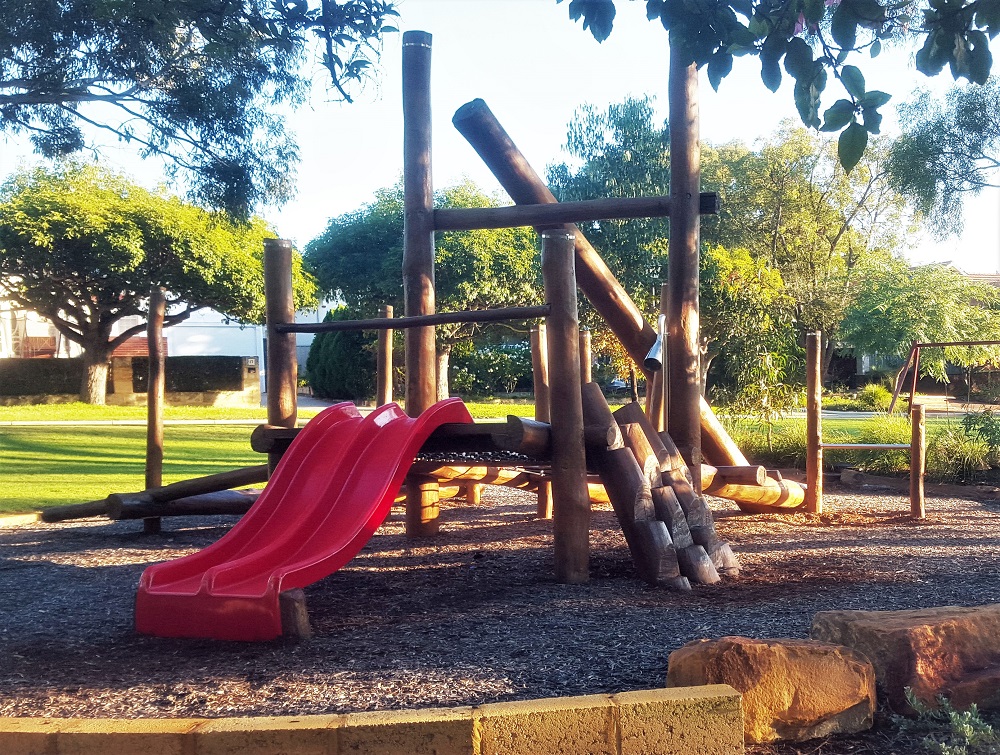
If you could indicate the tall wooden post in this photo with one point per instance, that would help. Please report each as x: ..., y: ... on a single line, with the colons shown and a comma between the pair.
x: 383, y: 363
x: 586, y: 357
x: 918, y: 460
x: 814, y: 423
x: 540, y: 382
x: 418, y: 221
x: 571, y: 501
x: 282, y: 361
x: 155, y: 389
x: 683, y: 347
x: 540, y: 371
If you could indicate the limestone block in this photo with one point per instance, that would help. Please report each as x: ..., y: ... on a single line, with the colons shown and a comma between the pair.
x: 705, y: 720
x: 947, y: 650
x: 556, y: 726
x: 431, y: 731
x: 792, y: 689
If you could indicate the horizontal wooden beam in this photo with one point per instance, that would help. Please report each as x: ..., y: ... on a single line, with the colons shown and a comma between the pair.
x: 540, y: 215
x: 501, y: 314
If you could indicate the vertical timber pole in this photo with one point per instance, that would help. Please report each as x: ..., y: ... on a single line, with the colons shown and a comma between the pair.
x: 586, y: 357
x: 155, y: 389
x: 683, y: 343
x: 540, y: 372
x: 540, y: 383
x: 383, y: 360
x: 418, y: 221
x: 814, y: 423
x: 918, y: 460
x: 282, y: 361
x: 570, y: 497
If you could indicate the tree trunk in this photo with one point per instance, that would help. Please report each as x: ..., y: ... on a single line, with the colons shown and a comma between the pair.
x: 94, y: 386
x: 443, y: 356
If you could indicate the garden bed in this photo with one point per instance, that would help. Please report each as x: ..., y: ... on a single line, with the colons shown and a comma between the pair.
x: 469, y: 617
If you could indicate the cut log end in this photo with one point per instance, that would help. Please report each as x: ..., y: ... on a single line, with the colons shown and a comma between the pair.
x: 294, y: 616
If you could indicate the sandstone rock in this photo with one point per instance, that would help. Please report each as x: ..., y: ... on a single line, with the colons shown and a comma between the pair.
x: 792, y: 689
x: 949, y: 650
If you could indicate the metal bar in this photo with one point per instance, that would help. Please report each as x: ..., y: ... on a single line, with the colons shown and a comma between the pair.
x: 615, y: 208
x: 418, y: 321
x: 866, y: 446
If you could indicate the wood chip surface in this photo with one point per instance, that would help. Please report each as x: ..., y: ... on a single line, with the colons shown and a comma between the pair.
x: 468, y: 617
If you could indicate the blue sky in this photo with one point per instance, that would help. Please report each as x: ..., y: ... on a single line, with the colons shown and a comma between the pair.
x: 534, y: 67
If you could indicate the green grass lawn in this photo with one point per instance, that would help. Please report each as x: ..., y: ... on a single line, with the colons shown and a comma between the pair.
x: 52, y: 466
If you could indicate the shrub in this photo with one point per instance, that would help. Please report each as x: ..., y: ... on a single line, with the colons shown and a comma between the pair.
x: 488, y: 370
x: 341, y: 365
x: 787, y: 447
x: 954, y: 456
x: 31, y: 377
x: 875, y: 397
x: 946, y: 731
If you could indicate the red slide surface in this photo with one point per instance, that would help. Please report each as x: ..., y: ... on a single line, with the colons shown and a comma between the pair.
x: 331, y: 491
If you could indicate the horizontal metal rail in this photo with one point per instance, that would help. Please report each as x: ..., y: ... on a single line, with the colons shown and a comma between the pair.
x: 865, y: 446
x: 621, y: 208
x: 419, y: 321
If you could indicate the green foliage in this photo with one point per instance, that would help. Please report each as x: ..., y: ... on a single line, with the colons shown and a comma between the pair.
x: 40, y: 377
x: 359, y: 258
x: 341, y: 364
x: 947, y: 149
x: 814, y: 40
x: 779, y: 446
x: 985, y: 426
x: 193, y: 374
x: 193, y: 80
x: 493, y: 369
x: 82, y: 247
x: 946, y: 731
x: 875, y: 397
x: 897, y: 305
x: 955, y: 456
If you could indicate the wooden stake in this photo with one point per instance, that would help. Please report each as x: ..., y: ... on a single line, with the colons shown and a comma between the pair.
x: 282, y: 361
x: 418, y: 221
x: 918, y: 460
x: 422, y: 506
x: 155, y: 389
x: 540, y: 372
x: 383, y: 360
x: 814, y: 423
x: 586, y: 357
x: 570, y: 497
x: 683, y: 343
x: 544, y: 505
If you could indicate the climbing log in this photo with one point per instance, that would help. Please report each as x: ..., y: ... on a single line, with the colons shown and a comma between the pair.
x: 231, y: 502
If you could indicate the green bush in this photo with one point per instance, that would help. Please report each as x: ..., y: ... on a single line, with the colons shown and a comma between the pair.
x: 946, y: 731
x: 875, y: 397
x: 881, y: 429
x: 954, y: 456
x: 341, y: 365
x: 192, y: 374
x: 489, y: 370
x: 787, y: 448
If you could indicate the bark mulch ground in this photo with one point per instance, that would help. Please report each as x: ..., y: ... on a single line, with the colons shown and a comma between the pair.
x: 471, y: 616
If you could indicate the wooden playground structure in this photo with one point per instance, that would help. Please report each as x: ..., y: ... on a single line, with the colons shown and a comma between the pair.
x: 653, y: 464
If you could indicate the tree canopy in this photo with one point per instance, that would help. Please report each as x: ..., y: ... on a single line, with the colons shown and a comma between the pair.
x: 82, y: 247
x: 193, y: 80
x: 948, y: 149
x: 896, y: 305
x: 359, y: 260
x: 813, y: 40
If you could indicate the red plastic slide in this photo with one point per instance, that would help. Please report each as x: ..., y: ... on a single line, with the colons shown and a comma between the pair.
x: 331, y: 491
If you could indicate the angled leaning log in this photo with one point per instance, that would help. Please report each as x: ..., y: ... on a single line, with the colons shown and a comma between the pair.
x: 675, y: 474
x: 627, y: 487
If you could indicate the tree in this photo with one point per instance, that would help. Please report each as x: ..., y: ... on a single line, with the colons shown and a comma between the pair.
x: 192, y: 80
x: 947, y: 149
x: 359, y: 260
x: 815, y: 38
x: 790, y: 203
x: 82, y: 247
x: 341, y: 364
x: 897, y: 305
